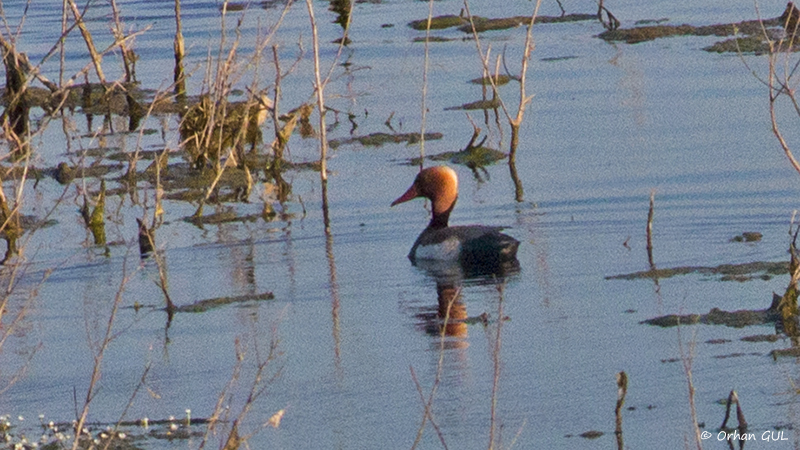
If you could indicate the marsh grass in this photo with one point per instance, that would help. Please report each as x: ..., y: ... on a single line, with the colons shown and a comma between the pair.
x: 223, y: 73
x: 781, y: 82
x: 217, y: 132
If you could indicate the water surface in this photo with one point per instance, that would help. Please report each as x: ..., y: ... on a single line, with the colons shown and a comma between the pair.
x: 608, y: 124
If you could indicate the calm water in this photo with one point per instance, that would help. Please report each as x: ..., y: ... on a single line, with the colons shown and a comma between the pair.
x: 608, y: 124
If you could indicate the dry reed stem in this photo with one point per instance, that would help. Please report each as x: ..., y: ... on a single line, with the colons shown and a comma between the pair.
x: 98, y: 350
x: 319, y: 86
x: 498, y: 344
x: 282, y: 134
x: 158, y: 212
x: 280, y: 140
x: 9, y: 328
x: 97, y: 58
x: 163, y: 281
x: 179, y: 77
x: 687, y: 358
x: 14, y: 271
x: 423, y: 105
x: 226, y: 75
x: 219, y: 408
x: 779, y: 86
x: 333, y: 285
x: 650, y: 215
x: 774, y: 94
x: 257, y: 388
x: 319, y: 89
x: 131, y: 398
x: 524, y: 99
x: 622, y: 390
x: 427, y: 415
x: 62, y: 60
x: 529, y: 46
x: 128, y: 61
x: 260, y: 382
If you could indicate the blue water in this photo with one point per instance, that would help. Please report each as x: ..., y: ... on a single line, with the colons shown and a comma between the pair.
x: 605, y: 128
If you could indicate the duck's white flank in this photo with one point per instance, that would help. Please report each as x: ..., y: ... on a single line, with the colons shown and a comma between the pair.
x: 447, y: 250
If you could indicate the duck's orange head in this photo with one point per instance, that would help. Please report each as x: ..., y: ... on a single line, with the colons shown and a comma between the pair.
x: 439, y: 184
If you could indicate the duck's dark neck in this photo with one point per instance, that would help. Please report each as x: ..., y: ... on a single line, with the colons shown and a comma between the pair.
x: 440, y: 219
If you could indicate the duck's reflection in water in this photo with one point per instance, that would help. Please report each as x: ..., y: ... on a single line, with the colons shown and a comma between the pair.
x: 450, y: 316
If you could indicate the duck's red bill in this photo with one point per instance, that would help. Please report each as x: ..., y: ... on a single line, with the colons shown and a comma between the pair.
x: 411, y: 193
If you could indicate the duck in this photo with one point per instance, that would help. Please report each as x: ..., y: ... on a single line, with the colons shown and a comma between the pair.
x: 471, y: 246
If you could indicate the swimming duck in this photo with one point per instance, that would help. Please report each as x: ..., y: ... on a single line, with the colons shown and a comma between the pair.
x: 471, y: 246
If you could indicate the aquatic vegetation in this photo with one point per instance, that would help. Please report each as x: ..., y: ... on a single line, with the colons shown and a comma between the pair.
x: 66, y: 174
x: 716, y: 316
x: 757, y: 34
x: 476, y: 105
x: 472, y: 157
x: 498, y: 80
x: 483, y: 24
x: 651, y: 32
x: 748, y: 44
x: 213, y: 303
x: 748, y: 236
x: 438, y: 22
x: 210, y: 127
x: 95, y: 220
x: 379, y: 139
x: 123, y: 435
x: 227, y: 215
x: 726, y: 272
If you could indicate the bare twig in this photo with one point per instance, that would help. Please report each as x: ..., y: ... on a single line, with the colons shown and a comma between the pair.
x: 687, y: 357
x: 128, y: 58
x: 97, y: 58
x: 650, y: 215
x: 524, y: 99
x: 179, y: 76
x: 99, y: 350
x: 319, y: 88
x: 423, y: 105
x: 622, y: 390
x: 498, y: 344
